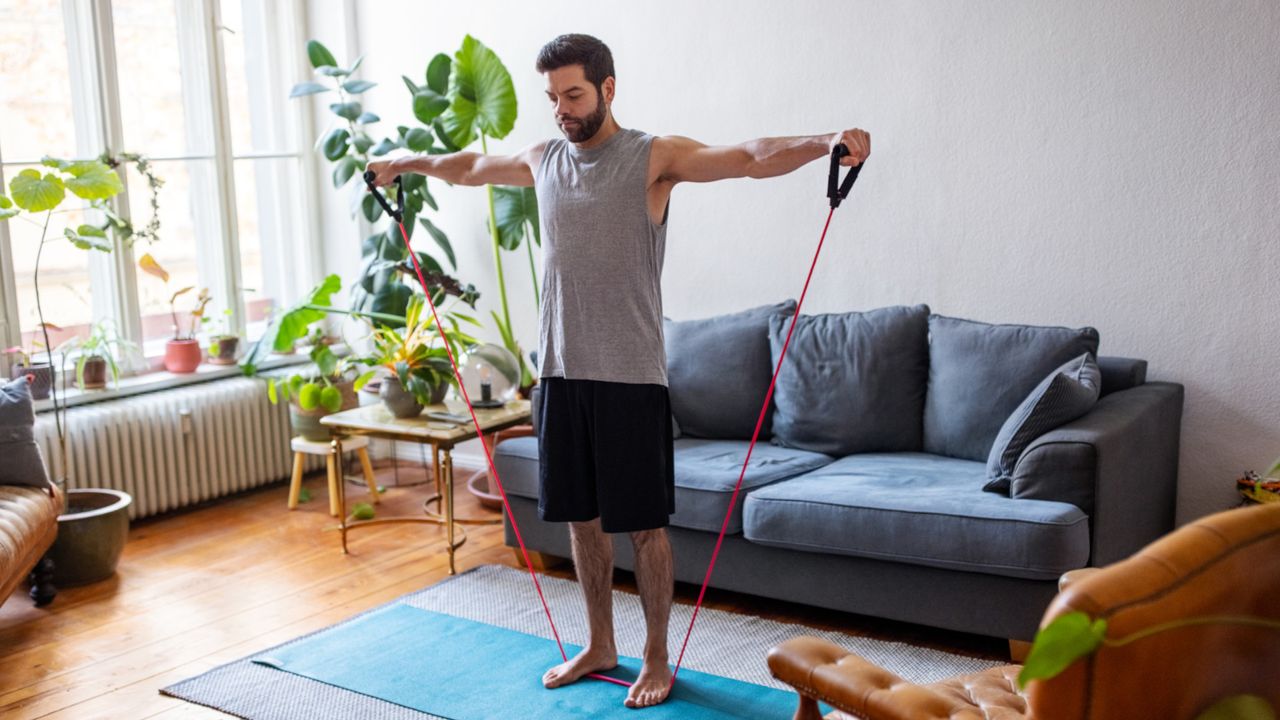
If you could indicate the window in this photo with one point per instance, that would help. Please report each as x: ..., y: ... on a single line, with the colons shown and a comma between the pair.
x: 200, y: 87
x: 38, y: 119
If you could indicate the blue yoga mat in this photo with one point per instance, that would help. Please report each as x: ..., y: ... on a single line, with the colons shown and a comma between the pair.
x: 465, y: 670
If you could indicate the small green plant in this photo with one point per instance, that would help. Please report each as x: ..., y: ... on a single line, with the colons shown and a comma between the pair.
x: 320, y: 388
x: 103, y: 342
x: 221, y: 330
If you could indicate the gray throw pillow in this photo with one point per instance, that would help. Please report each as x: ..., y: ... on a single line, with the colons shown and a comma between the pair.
x: 852, y: 382
x: 718, y: 371
x: 1066, y: 394
x: 23, y: 464
x: 978, y: 374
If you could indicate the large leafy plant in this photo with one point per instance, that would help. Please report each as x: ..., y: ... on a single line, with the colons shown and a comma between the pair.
x: 349, y: 144
x: 471, y: 97
x: 40, y: 194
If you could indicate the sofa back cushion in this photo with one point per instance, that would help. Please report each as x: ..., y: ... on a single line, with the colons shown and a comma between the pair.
x: 23, y: 464
x: 979, y: 373
x: 851, y: 382
x: 718, y: 371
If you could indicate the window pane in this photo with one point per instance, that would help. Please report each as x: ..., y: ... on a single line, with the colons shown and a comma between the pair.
x: 176, y: 251
x: 35, y: 86
x: 65, y: 291
x: 267, y: 205
x: 257, y: 92
x: 155, y: 71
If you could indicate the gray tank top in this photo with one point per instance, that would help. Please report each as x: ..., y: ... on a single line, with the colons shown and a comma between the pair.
x: 602, y: 258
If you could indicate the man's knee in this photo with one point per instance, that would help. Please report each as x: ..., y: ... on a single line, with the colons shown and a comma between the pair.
x: 649, y: 538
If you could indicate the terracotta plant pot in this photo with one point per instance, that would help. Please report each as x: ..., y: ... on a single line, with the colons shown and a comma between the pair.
x: 226, y: 350
x: 95, y: 374
x: 182, y: 356
x: 42, y: 378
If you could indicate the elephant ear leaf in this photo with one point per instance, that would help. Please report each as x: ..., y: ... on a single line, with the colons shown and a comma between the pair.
x: 482, y: 96
x: 1068, y: 638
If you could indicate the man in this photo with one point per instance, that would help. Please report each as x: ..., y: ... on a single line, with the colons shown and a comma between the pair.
x: 605, y: 443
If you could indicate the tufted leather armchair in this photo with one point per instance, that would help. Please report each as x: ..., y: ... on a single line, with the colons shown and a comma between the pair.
x: 1223, y: 564
x: 28, y: 526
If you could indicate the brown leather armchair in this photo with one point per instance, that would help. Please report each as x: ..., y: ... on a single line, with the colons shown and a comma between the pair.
x: 1223, y: 564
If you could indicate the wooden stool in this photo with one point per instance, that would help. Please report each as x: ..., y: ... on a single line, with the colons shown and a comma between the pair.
x: 302, y: 446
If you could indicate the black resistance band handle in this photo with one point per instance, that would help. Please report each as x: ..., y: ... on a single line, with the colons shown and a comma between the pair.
x: 369, y: 177
x: 834, y: 193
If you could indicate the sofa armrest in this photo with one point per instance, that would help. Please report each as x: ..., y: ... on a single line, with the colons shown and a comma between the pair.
x: 1118, y: 463
x: 821, y: 670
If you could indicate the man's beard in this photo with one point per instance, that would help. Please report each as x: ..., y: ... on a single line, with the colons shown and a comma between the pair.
x: 586, y: 128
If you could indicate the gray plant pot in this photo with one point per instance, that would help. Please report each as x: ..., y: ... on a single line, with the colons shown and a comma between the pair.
x: 399, y: 401
x: 42, y: 378
x: 91, y: 536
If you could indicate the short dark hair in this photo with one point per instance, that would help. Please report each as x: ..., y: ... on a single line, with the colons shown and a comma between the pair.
x: 578, y: 49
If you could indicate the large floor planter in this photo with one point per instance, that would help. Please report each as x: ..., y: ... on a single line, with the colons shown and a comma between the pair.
x: 91, y: 536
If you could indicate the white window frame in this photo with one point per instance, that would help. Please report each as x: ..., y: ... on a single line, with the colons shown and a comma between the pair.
x: 98, y: 122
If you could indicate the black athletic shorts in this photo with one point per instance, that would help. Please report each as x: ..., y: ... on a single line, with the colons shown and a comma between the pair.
x: 605, y: 451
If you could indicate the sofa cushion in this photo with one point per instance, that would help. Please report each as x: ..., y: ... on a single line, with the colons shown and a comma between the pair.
x: 718, y: 371
x: 1066, y: 394
x: 851, y: 382
x: 978, y: 374
x: 920, y: 509
x: 23, y: 464
x: 706, y: 472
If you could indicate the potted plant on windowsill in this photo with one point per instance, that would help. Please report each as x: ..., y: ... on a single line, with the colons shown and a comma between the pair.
x: 96, y: 354
x: 182, y: 352
x: 41, y: 371
x: 223, y: 343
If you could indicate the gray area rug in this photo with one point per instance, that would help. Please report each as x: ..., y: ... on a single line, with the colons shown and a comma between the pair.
x: 723, y: 643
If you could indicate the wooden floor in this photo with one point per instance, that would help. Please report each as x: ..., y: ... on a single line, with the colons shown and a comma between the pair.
x: 209, y: 585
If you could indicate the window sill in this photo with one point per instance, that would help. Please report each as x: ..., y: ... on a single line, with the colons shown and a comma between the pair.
x: 162, y: 380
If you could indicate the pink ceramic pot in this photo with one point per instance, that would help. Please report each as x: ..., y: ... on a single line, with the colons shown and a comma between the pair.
x: 182, y: 356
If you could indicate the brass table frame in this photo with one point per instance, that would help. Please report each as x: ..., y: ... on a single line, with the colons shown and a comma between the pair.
x: 376, y: 421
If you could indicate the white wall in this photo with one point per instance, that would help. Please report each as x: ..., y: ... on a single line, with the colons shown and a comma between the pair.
x: 1083, y: 163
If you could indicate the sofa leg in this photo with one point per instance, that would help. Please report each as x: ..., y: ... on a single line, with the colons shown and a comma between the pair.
x: 541, y: 561
x: 808, y: 709
x: 42, y: 589
x: 1018, y: 650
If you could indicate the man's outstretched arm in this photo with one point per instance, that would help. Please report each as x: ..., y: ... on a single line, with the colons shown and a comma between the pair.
x: 465, y: 168
x: 684, y: 160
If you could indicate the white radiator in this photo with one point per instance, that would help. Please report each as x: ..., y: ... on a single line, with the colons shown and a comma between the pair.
x: 174, y: 448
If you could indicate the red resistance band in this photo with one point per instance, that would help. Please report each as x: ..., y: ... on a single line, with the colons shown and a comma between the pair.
x: 835, y: 195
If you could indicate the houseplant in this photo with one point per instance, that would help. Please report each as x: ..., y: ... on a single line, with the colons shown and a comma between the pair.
x: 182, y: 351
x: 222, y: 342
x: 329, y: 387
x: 380, y: 286
x: 41, y: 371
x: 96, y: 354
x: 94, y: 523
x: 468, y: 97
x: 420, y: 372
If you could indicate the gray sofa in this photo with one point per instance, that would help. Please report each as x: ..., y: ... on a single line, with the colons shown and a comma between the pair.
x: 870, y: 489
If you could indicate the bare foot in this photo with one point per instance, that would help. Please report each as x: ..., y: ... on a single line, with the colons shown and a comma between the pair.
x: 651, y: 687
x: 588, y: 661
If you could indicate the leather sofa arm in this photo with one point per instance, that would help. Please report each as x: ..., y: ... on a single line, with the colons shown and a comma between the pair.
x: 1118, y: 463
x: 823, y: 671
